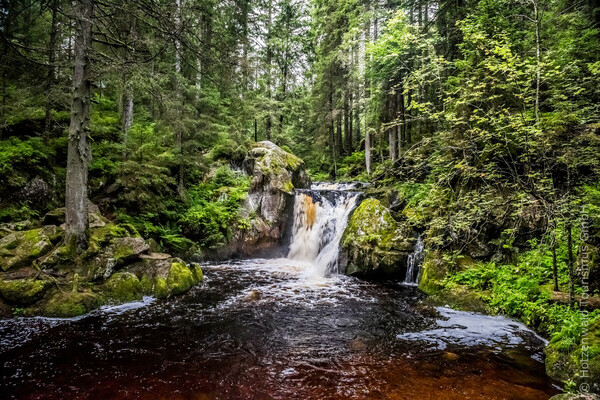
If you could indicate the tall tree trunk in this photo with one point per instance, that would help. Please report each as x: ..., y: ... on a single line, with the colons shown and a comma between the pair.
x: 570, y: 262
x: 339, y: 137
x: 50, y: 80
x: 283, y: 92
x: 269, y: 122
x: 554, y: 261
x: 347, y: 123
x: 179, y: 94
x: 127, y: 105
x: 350, y: 133
x: 79, y: 155
x: 538, y: 56
x: 367, y: 90
x: 392, y: 131
x: 403, y: 143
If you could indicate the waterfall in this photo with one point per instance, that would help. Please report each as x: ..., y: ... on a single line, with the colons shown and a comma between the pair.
x: 320, y: 218
x: 413, y: 264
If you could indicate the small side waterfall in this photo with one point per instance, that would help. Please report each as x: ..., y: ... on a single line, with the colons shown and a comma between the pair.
x: 413, y: 264
x: 320, y: 218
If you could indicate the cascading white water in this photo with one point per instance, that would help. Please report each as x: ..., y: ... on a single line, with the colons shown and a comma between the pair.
x: 320, y: 218
x: 415, y: 259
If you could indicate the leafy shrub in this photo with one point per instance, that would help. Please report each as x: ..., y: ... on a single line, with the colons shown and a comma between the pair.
x: 214, y: 208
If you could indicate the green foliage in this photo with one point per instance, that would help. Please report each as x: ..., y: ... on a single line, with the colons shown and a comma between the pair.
x: 214, y: 208
x: 22, y: 160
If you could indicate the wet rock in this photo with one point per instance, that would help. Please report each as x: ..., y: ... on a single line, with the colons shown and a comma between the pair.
x: 374, y: 243
x: 22, y: 248
x: 23, y: 291
x: 68, y: 304
x: 153, y: 276
x: 275, y: 174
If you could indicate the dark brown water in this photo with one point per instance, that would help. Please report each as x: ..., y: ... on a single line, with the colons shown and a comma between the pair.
x: 262, y: 329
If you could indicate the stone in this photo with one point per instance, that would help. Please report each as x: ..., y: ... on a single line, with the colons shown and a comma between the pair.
x: 153, y: 276
x: 269, y: 206
x: 23, y: 291
x: 374, y: 243
x: 20, y: 249
x: 68, y: 304
x: 58, y: 216
x: 37, y: 193
x: 570, y: 396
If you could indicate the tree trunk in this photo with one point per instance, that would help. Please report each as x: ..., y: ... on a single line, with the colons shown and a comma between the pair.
x: 538, y: 55
x: 403, y: 143
x: 269, y: 60
x: 179, y: 94
x: 78, y: 157
x: 392, y: 132
x: 367, y: 91
x: 50, y: 80
x: 347, y: 124
x: 554, y: 261
x: 127, y: 105
x: 569, y: 229
x: 339, y: 136
x: 255, y: 130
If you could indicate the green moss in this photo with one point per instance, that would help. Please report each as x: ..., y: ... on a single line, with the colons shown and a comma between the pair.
x: 288, y: 186
x: 23, y: 291
x: 375, y: 242
x: 101, y: 236
x: 180, y: 278
x: 371, y: 225
x: 292, y: 162
x: 69, y: 304
x: 123, y: 287
x: 161, y: 288
x: 22, y: 248
x: 433, y: 271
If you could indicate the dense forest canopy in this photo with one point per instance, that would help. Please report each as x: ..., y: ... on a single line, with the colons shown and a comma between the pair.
x: 475, y: 122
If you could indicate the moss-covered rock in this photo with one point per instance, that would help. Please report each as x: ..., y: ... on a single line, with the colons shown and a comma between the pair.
x: 569, y: 396
x: 23, y: 291
x: 123, y: 287
x: 21, y: 249
x: 580, y: 364
x: 268, y: 207
x: 155, y: 277
x: 182, y: 277
x: 434, y: 269
x: 68, y: 304
x: 374, y: 243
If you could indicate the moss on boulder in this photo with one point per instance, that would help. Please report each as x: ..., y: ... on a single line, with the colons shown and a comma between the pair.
x: 20, y: 249
x: 274, y: 174
x: 68, y: 304
x: 433, y: 271
x: 153, y: 277
x: 374, y: 243
x: 23, y: 291
x: 123, y: 287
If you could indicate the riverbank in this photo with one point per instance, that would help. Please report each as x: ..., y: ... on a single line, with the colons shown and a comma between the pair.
x: 521, y: 291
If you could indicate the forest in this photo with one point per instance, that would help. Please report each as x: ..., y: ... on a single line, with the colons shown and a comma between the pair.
x: 327, y: 199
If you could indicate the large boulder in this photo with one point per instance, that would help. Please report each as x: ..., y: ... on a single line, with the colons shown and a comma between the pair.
x: 269, y: 206
x: 21, y: 249
x: 374, y: 243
